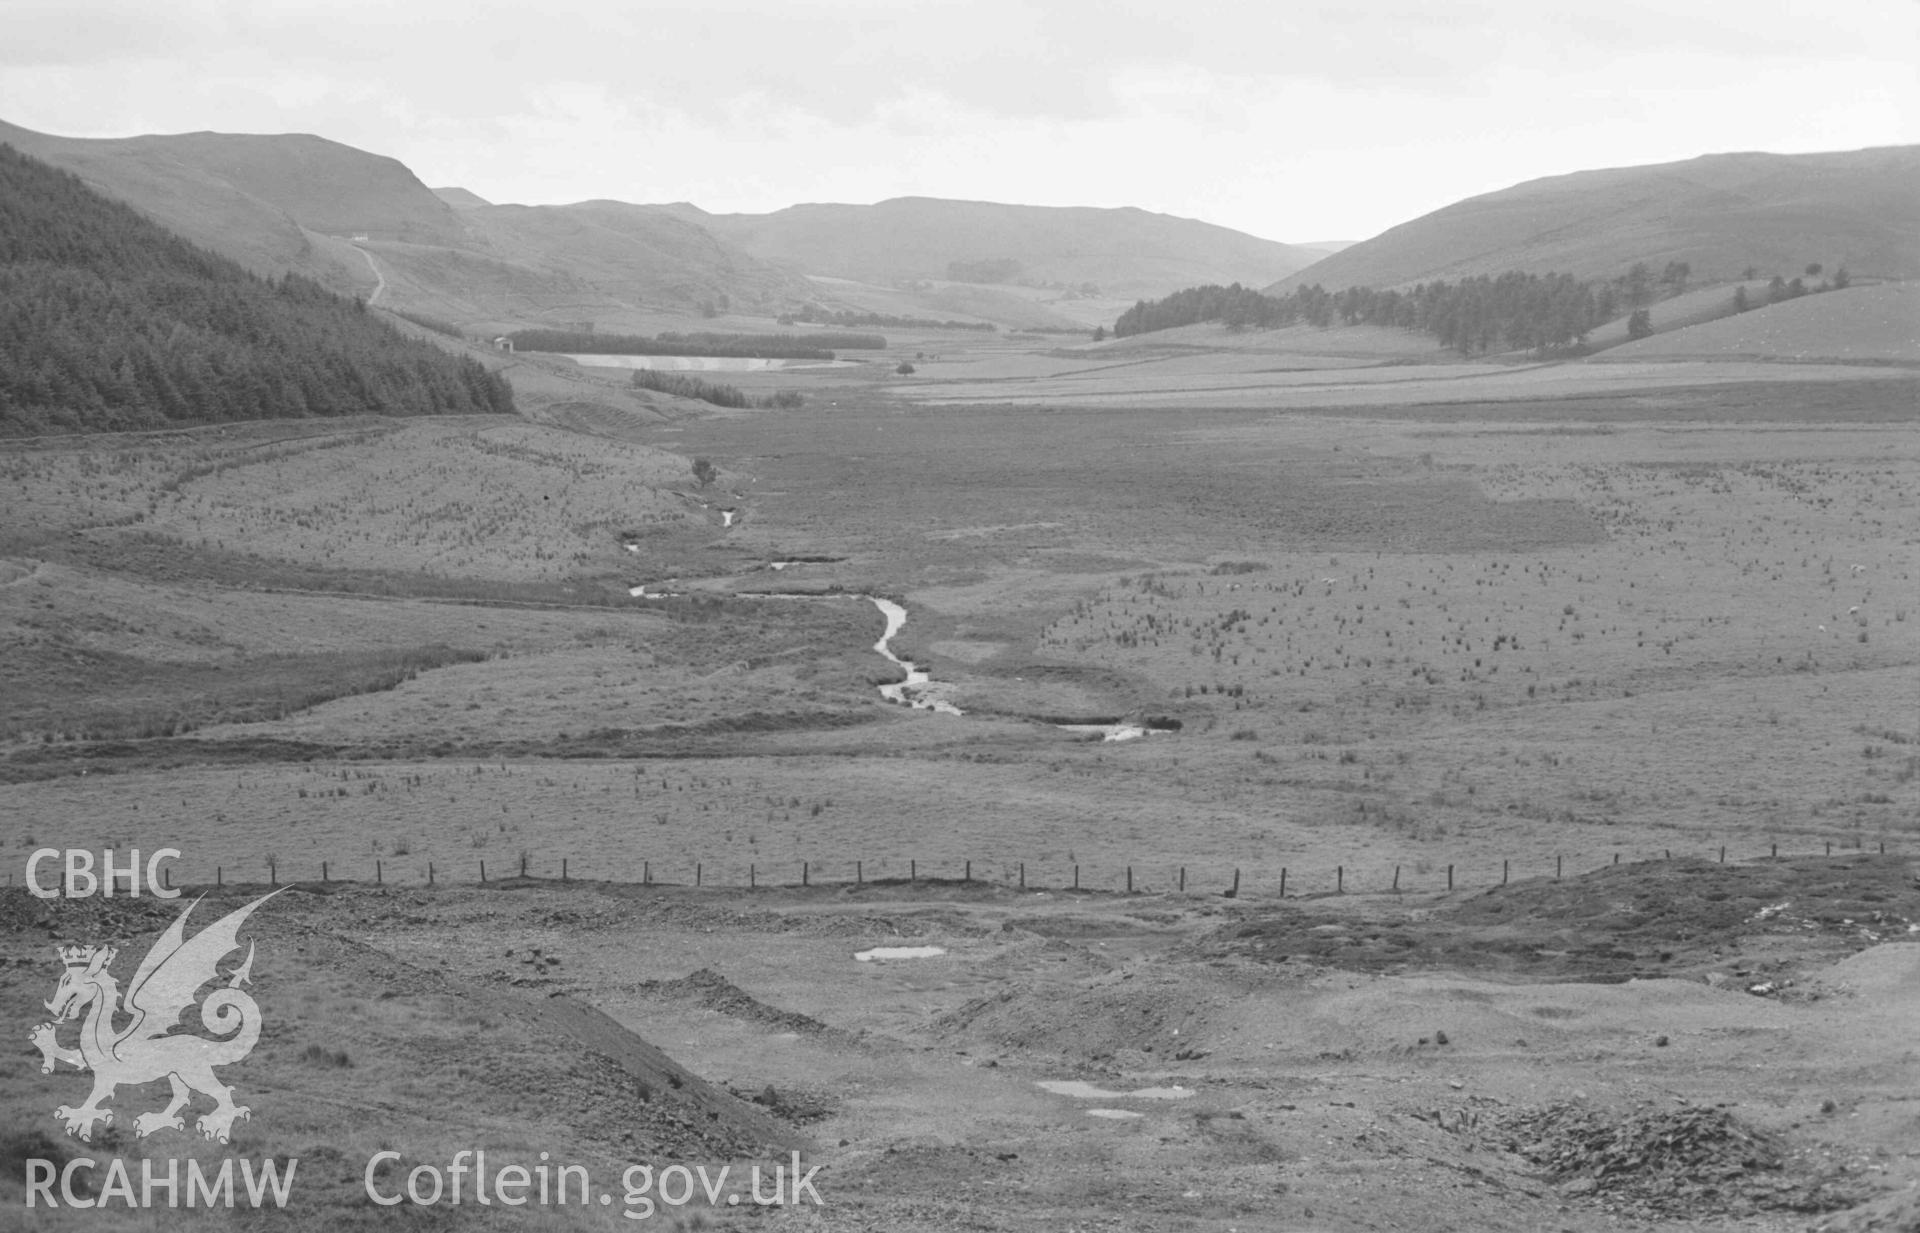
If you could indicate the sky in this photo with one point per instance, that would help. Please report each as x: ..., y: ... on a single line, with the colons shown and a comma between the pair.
x: 1291, y: 121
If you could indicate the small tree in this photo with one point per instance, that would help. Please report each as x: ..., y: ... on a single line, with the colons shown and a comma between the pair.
x: 1640, y: 324
x: 905, y: 369
x: 1740, y: 304
x: 1637, y: 283
x: 1841, y: 279
x: 1099, y: 333
x: 704, y: 472
x: 1814, y: 268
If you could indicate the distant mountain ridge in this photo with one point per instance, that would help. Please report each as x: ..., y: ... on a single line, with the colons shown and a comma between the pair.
x: 1720, y: 214
x: 1124, y: 251
x: 298, y: 203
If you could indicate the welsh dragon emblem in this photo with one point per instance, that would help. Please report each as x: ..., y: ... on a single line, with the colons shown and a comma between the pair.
x: 146, y: 1048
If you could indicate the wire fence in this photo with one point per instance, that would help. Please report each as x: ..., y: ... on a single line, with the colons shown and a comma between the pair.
x: 1424, y: 874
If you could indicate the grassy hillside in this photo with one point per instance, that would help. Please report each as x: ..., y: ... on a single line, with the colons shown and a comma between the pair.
x: 1720, y: 214
x: 289, y: 203
x: 1861, y: 323
x: 460, y: 198
x: 198, y: 204
x: 629, y: 252
x: 1125, y: 252
x: 107, y: 321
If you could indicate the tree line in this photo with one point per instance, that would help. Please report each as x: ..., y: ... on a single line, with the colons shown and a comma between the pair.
x: 109, y: 321
x: 1512, y: 311
x: 814, y: 314
x: 717, y: 393
x: 736, y: 346
x: 1515, y: 311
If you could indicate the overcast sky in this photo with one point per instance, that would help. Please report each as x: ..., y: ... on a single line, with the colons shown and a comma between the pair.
x: 1292, y: 121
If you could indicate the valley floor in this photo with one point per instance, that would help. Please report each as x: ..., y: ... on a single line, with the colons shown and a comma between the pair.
x: 1491, y: 707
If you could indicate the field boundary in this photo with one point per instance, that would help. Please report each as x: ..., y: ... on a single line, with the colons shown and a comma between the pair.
x: 1422, y: 876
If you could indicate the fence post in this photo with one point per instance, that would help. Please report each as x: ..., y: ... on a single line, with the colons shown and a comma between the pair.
x: 913, y: 871
x: 1396, y: 879
x: 379, y: 874
x: 1829, y: 847
x: 859, y: 874
x: 1616, y: 858
x: 1449, y: 877
x: 523, y: 864
x: 1723, y: 854
x: 1503, y: 873
x: 273, y: 874
x: 1556, y: 868
x: 753, y: 878
x: 563, y: 869
x: 483, y: 871
x: 803, y: 874
x: 1775, y: 854
x: 219, y: 876
x: 968, y: 876
x: 1668, y: 853
x: 1235, y: 892
x: 1339, y: 879
x: 323, y: 872
x: 1183, y: 879
x: 429, y: 873
x: 166, y: 878
x: 1076, y: 877
x: 646, y: 872
x: 1129, y: 879
x: 696, y: 873
x: 1023, y: 875
x: 1283, y: 881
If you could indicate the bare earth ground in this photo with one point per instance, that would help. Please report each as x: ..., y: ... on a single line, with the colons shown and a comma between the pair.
x: 1399, y: 624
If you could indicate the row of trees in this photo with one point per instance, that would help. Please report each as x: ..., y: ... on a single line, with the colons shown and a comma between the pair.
x: 814, y: 314
x: 109, y: 321
x: 1512, y: 311
x: 739, y: 346
x: 720, y: 395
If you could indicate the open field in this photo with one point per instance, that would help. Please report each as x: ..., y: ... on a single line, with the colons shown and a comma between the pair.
x: 1396, y: 622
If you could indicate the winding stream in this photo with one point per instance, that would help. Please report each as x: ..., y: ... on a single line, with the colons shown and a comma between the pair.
x: 919, y: 690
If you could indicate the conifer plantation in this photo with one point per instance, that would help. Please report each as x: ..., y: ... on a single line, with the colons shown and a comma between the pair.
x: 110, y: 322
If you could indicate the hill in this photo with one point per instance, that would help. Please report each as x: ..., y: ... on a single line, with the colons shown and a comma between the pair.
x: 1874, y: 324
x: 460, y: 198
x: 1125, y: 252
x: 294, y: 203
x: 629, y: 251
x: 197, y: 203
x: 108, y: 321
x: 1720, y: 214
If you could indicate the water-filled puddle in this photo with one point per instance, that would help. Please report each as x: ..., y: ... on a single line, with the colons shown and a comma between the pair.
x: 900, y: 952
x: 1087, y: 1091
x: 1116, y: 1114
x: 1108, y: 732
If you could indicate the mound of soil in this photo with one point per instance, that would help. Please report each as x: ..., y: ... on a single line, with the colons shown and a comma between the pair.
x: 1693, y: 1161
x: 708, y: 988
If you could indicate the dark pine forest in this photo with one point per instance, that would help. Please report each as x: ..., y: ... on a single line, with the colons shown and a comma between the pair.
x: 1516, y: 311
x: 108, y: 321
